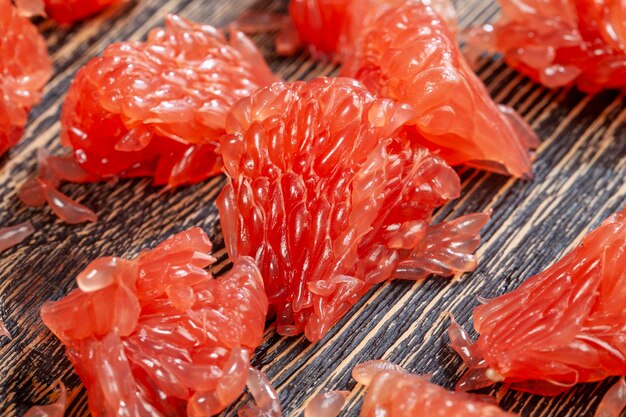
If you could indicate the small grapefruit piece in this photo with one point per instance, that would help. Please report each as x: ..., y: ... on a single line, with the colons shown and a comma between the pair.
x: 157, y: 108
x: 25, y: 67
x: 394, y: 392
x: 13, y: 235
x: 56, y: 409
x: 266, y: 402
x: 559, y: 328
x: 329, y: 198
x: 68, y: 12
x: 43, y: 188
x: 409, y: 54
x: 158, y: 335
x: 614, y: 401
x: 561, y: 43
x: 326, y: 404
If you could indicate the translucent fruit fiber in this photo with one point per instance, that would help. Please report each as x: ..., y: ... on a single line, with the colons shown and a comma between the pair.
x: 158, y: 335
x: 157, y: 108
x: 330, y: 199
x: 25, y: 67
x: 561, y: 327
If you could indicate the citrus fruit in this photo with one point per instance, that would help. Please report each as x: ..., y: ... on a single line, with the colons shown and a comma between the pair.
x: 561, y: 43
x: 13, y: 235
x: 409, y: 54
x: 157, y: 108
x: 329, y: 198
x: 25, y: 67
x: 68, y: 12
x: 393, y: 392
x: 559, y: 328
x: 43, y: 188
x: 158, y: 335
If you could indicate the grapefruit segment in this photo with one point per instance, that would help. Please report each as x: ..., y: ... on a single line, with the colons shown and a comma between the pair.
x: 158, y: 335
x: 560, y: 43
x: 157, y: 108
x: 409, y: 54
x: 329, y: 197
x: 25, y: 67
x: 561, y: 327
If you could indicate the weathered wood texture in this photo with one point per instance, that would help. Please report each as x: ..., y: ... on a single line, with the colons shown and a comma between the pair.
x: 579, y: 180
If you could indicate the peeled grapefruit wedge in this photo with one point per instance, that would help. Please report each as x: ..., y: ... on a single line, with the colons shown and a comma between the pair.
x: 563, y: 326
x: 330, y: 198
x: 158, y: 335
x: 157, y: 108
x: 560, y: 43
x: 409, y: 54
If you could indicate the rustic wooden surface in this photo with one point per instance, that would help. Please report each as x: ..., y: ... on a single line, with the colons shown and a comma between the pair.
x: 579, y: 180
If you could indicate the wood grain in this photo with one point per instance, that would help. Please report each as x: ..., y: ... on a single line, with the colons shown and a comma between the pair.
x: 580, y: 178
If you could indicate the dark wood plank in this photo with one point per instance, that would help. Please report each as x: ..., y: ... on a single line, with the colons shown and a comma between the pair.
x: 580, y: 179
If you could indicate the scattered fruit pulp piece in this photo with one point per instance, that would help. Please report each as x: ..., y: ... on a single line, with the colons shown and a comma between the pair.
x: 326, y: 404
x: 614, y: 401
x: 560, y: 43
x: 266, y: 402
x: 69, y: 12
x: 394, y: 392
x: 329, y: 198
x: 157, y: 108
x: 56, y: 409
x: 158, y: 335
x: 409, y: 54
x: 13, y: 235
x: 43, y: 188
x: 25, y: 67
x: 561, y: 327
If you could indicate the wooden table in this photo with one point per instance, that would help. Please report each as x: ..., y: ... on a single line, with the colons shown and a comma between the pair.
x: 579, y: 180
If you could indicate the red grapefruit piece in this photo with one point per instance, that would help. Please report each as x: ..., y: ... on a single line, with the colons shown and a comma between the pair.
x: 158, y: 108
x: 330, y: 28
x: 67, y: 12
x: 393, y: 392
x: 25, y: 67
x: 13, y: 235
x: 43, y: 188
x: 56, y: 409
x: 561, y: 42
x: 408, y: 53
x: 560, y: 327
x: 326, y: 404
x: 158, y: 335
x: 329, y: 198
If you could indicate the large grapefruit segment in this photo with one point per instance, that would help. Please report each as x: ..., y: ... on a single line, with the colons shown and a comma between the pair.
x: 561, y: 327
x: 157, y: 108
x: 330, y: 198
x: 409, y: 54
x: 158, y: 335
